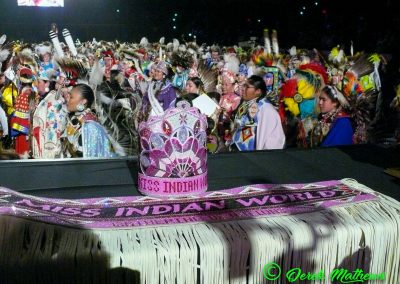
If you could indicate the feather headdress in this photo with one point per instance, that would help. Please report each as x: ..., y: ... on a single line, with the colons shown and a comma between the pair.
x: 231, y: 67
x: 343, y: 101
x: 267, y: 42
x: 175, y: 44
x: 316, y: 69
x: 299, y: 92
x: 293, y: 51
x: 275, y: 45
x: 56, y: 43
x: 74, y: 65
x: 70, y: 42
x: 3, y: 39
x: 27, y: 59
x: 208, y: 77
x: 74, y: 69
x: 131, y: 53
x: 362, y: 66
x: 144, y: 42
x: 337, y: 56
x: 361, y: 87
x: 5, y: 53
x: 43, y: 49
x: 96, y: 75
x: 117, y: 111
x: 183, y: 59
x: 262, y: 58
x: 231, y: 63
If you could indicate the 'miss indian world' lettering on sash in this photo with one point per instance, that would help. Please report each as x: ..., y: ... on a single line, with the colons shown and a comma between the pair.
x: 232, y: 204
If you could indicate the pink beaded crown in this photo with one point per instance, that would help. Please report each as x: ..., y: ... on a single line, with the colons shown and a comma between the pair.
x: 173, y: 158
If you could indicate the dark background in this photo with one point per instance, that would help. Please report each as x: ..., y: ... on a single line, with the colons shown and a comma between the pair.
x: 320, y: 24
x: 372, y: 27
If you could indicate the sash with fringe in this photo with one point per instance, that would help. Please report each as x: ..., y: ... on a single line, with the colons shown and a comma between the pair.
x: 228, y: 236
x: 238, y: 203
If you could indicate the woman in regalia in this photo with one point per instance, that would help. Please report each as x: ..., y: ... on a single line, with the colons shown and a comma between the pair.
x: 229, y: 102
x: 194, y: 85
x: 334, y: 126
x: 21, y: 118
x: 49, y: 118
x: 161, y: 94
x: 84, y: 136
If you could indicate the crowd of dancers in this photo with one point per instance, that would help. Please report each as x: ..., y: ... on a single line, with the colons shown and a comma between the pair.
x: 66, y: 98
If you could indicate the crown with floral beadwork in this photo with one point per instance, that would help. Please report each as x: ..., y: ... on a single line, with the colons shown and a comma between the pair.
x: 173, y: 158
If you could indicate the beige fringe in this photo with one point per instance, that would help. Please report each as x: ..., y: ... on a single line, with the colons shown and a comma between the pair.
x: 363, y: 235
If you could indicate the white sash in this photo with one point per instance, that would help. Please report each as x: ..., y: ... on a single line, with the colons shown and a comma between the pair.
x: 156, y: 108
